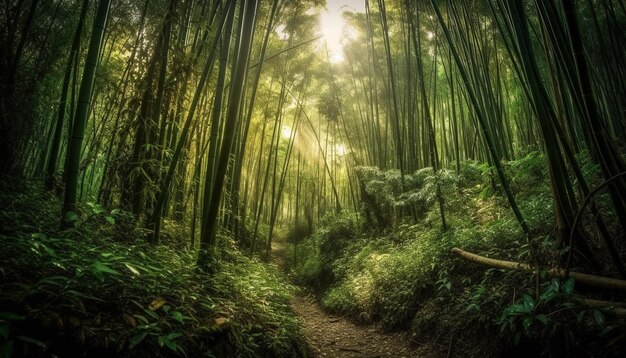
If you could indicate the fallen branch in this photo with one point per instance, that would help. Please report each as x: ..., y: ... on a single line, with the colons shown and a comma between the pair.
x: 583, y: 278
x: 618, y: 308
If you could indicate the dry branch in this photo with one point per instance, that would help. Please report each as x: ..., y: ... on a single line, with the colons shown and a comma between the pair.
x: 619, y: 308
x: 587, y: 279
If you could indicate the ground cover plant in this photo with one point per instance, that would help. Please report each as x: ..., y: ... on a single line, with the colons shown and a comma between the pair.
x: 86, y: 291
x: 406, y: 277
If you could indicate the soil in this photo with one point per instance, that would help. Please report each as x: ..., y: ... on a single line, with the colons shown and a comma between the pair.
x: 335, y: 336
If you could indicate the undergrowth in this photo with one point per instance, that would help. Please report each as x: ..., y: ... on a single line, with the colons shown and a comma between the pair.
x: 98, y: 291
x: 392, y: 264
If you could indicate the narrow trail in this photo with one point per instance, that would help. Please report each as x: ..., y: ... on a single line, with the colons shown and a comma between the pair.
x: 336, y: 336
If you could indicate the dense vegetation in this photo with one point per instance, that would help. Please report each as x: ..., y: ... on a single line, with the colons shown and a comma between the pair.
x: 405, y: 277
x: 152, y: 152
x: 101, y: 290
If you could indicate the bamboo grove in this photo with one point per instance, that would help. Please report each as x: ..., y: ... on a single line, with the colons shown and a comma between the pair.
x: 231, y: 118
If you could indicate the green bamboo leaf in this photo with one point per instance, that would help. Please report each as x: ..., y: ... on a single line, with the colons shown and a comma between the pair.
x: 132, y: 269
x: 143, y: 319
x: 178, y: 316
x: 526, y: 323
x: 38, y: 236
x: 137, y: 338
x: 529, y: 302
x: 599, y: 317
x: 70, y: 217
x: 548, y: 295
x: 568, y: 286
x: 101, y: 267
x: 555, y: 284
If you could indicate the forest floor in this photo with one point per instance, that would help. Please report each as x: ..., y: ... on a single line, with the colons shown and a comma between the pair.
x: 331, y: 335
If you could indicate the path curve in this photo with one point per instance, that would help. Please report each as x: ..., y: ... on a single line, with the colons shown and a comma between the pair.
x: 335, y: 336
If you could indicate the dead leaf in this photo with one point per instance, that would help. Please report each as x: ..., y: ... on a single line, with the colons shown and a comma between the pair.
x: 221, y: 321
x: 157, y: 303
x: 129, y: 319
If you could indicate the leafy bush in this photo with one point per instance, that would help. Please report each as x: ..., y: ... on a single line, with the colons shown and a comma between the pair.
x: 406, y: 277
x: 385, y: 204
x: 83, y: 292
x: 557, y: 323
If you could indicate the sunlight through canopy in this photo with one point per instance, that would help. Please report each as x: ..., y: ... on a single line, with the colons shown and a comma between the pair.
x: 334, y: 28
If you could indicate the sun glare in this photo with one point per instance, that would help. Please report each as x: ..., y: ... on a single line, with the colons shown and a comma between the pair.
x: 285, y: 132
x: 340, y: 149
x: 333, y: 25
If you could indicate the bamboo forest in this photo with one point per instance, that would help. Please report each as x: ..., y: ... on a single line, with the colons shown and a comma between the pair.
x: 312, y: 178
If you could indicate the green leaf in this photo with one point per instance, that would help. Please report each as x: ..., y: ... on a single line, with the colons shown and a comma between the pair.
x: 554, y: 284
x: 70, y: 217
x: 515, y: 310
x: 599, y: 317
x: 526, y: 323
x: 38, y: 236
x: 151, y: 313
x: 110, y: 219
x: 137, y: 338
x: 529, y: 302
x: 60, y: 281
x: 132, y: 269
x: 82, y: 295
x: 607, y: 330
x: 141, y: 318
x: 548, y: 295
x: 177, y: 316
x: 568, y: 286
x: 542, y: 318
x: 168, y: 341
x: 102, y: 267
x: 147, y: 327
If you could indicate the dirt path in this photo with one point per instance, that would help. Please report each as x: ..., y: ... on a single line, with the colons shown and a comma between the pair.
x: 335, y: 336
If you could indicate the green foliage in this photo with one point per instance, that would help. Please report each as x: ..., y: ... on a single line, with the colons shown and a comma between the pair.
x: 407, y: 277
x: 128, y: 298
x: 385, y: 204
x: 552, y: 322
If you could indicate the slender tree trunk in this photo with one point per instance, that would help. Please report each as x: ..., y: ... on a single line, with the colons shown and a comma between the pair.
x: 209, y: 232
x: 82, y: 109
